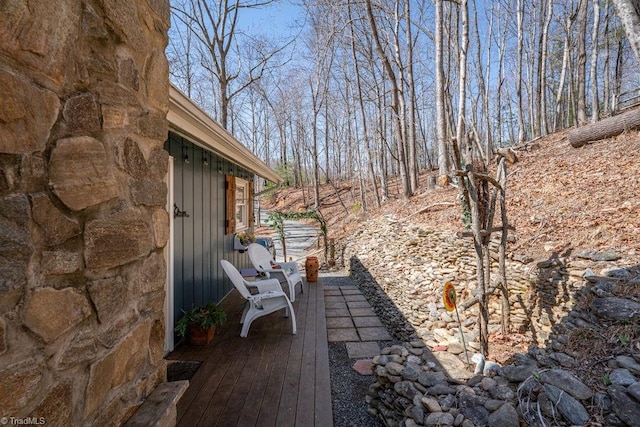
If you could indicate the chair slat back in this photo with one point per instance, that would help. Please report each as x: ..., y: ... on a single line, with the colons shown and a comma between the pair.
x: 236, y: 278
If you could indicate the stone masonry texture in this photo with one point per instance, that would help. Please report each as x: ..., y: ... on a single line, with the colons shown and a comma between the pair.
x: 85, y: 94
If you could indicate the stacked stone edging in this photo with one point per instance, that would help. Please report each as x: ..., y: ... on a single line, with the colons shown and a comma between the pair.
x: 401, y: 269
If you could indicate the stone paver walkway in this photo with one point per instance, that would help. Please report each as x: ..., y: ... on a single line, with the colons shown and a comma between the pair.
x: 350, y: 318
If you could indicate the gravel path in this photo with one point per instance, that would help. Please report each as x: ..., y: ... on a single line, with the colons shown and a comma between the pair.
x: 348, y: 388
x: 348, y: 391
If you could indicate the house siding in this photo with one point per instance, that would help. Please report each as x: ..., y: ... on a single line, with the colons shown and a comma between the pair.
x: 199, y: 239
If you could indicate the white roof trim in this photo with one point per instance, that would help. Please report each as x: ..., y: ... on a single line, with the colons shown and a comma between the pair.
x: 191, y: 122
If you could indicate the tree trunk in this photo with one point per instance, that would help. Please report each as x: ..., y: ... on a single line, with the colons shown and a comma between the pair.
x: 441, y: 119
x: 520, y: 19
x: 395, y: 103
x: 411, y: 126
x: 565, y: 63
x: 605, y: 128
x: 606, y: 102
x: 595, y: 107
x: 582, y: 62
x: 628, y: 13
x: 502, y: 78
x: 618, y: 78
x: 542, y: 67
x: 462, y: 76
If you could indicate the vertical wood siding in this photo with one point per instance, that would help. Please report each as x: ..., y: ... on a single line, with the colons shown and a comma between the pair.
x: 199, y: 239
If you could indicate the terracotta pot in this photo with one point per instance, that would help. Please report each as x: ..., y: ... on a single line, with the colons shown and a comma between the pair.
x: 199, y: 336
x: 311, y: 266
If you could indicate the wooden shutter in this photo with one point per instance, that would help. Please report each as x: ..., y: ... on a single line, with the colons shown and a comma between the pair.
x: 250, y: 204
x: 230, y: 204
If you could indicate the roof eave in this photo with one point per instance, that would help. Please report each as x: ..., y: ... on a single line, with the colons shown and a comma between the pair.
x: 190, y: 121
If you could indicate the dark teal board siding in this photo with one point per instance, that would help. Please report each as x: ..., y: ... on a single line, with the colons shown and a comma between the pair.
x: 199, y: 239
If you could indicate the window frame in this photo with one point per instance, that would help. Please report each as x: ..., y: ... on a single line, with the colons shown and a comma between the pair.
x: 230, y: 226
x: 243, y: 224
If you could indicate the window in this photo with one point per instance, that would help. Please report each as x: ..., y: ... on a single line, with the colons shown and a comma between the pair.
x: 239, y: 204
x: 242, y: 194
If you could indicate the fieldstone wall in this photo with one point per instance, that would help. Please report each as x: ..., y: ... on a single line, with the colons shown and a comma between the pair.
x: 83, y: 224
x: 588, y: 299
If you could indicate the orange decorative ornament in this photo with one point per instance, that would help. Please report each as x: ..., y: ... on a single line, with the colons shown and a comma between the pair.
x: 449, y: 296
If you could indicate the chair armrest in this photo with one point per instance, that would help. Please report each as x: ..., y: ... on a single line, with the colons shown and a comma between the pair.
x: 256, y: 300
x: 292, y: 266
x: 266, y: 285
x: 284, y: 271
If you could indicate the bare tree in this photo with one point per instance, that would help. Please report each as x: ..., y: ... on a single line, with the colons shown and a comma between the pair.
x: 411, y: 125
x: 595, y: 108
x: 363, y: 112
x: 441, y: 121
x: 396, y: 92
x: 462, y: 72
x: 542, y: 70
x: 520, y: 21
x: 214, y: 24
x: 630, y: 17
x: 580, y: 77
x: 561, y: 80
x: 606, y: 103
x: 181, y: 59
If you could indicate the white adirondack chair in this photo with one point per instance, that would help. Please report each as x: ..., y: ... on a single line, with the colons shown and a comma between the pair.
x: 263, y: 262
x: 269, y: 298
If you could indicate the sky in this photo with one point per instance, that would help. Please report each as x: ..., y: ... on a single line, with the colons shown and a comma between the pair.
x: 279, y: 19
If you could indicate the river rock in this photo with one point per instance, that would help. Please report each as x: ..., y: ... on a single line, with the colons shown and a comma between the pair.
x: 564, y: 380
x: 615, y: 308
x: 569, y: 408
x: 505, y: 416
x: 438, y: 419
x: 629, y: 362
x: 634, y: 390
x: 623, y: 405
x: 518, y: 373
x: 622, y: 376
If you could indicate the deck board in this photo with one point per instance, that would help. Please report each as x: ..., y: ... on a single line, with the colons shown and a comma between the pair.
x: 289, y: 393
x: 306, y: 394
x: 270, y: 378
x: 323, y: 417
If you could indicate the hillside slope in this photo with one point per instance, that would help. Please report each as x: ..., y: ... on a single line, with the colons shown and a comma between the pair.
x: 559, y: 199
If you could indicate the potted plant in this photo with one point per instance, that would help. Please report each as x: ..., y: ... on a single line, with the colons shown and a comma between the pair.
x: 242, y: 240
x: 200, y: 323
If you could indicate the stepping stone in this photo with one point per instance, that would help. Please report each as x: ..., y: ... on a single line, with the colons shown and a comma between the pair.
x: 342, y: 334
x: 332, y: 292
x: 363, y: 367
x: 333, y: 299
x: 358, y: 304
x: 367, y: 322
x: 335, y: 305
x: 351, y: 292
x: 359, y: 350
x: 349, y: 288
x: 350, y: 298
x: 374, y: 334
x: 336, y: 312
x: 339, y: 322
x: 368, y: 311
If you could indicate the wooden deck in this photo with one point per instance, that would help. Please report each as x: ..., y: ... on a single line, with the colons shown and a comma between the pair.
x: 269, y: 378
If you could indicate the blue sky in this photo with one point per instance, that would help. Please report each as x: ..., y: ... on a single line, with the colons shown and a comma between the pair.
x: 279, y: 19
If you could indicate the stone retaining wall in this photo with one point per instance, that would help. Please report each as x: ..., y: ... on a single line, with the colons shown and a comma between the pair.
x: 410, y: 265
x: 401, y: 268
x: 85, y: 94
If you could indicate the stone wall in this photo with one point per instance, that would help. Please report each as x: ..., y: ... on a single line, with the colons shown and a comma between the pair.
x: 83, y: 223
